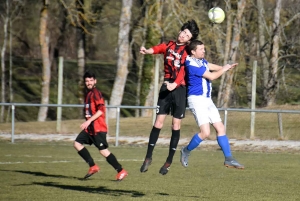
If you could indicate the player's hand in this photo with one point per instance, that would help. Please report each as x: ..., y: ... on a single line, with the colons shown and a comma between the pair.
x: 229, y: 66
x: 143, y: 50
x: 85, y: 124
x: 171, y: 86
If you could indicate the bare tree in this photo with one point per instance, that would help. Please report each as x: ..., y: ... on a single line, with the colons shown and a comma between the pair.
x: 229, y: 16
x: 272, y: 85
x: 80, y: 48
x: 123, y: 57
x: 263, y: 45
x: 233, y: 51
x: 3, y: 50
x: 46, y: 77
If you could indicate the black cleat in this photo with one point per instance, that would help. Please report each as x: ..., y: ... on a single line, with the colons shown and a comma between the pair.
x: 147, y: 162
x: 165, y: 168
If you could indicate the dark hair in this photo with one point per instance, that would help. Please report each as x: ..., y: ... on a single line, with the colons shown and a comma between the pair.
x: 89, y: 74
x: 192, y: 27
x: 192, y: 46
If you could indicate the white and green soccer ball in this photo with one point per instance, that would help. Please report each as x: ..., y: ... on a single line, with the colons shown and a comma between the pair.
x: 216, y: 15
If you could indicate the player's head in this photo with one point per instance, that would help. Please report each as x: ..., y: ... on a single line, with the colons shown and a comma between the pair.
x: 188, y: 32
x: 196, y: 49
x: 89, y: 79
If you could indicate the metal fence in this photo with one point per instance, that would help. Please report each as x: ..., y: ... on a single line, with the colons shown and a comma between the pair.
x: 119, y: 107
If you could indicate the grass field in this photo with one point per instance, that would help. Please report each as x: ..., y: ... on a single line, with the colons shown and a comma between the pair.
x: 53, y: 171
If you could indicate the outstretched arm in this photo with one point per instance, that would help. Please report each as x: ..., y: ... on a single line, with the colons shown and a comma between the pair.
x: 216, y: 74
x: 214, y: 67
x: 143, y: 50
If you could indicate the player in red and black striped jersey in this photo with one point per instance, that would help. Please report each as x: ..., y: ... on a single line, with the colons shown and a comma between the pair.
x: 94, y: 130
x: 172, y: 95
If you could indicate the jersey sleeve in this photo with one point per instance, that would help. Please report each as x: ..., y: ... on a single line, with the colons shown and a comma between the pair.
x: 194, y: 69
x: 160, y: 48
x: 99, y: 101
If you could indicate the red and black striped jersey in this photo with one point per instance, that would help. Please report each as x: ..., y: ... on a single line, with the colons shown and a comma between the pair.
x: 174, y: 58
x: 93, y: 102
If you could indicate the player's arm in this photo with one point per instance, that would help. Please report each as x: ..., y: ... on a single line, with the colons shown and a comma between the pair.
x: 216, y: 74
x: 157, y: 49
x: 214, y: 67
x: 179, y: 79
x: 143, y: 50
x: 90, y: 120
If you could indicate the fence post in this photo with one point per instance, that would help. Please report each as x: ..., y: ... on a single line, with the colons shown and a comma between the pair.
x: 106, y: 116
x: 117, y: 126
x: 280, y: 125
x: 12, y: 123
x: 225, y: 119
x: 253, y: 100
x: 59, y: 93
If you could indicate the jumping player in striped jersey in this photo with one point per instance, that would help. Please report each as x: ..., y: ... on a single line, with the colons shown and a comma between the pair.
x: 200, y: 73
x: 172, y: 94
x: 94, y: 130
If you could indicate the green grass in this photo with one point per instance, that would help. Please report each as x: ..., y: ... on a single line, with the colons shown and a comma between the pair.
x: 53, y: 171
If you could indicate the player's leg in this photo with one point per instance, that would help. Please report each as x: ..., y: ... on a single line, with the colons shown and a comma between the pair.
x: 222, y: 138
x: 178, y: 112
x: 83, y: 138
x: 102, y: 145
x: 185, y: 152
x: 163, y: 108
x: 198, y: 107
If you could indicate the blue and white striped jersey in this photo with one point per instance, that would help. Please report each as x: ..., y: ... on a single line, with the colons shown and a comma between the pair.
x: 197, y: 85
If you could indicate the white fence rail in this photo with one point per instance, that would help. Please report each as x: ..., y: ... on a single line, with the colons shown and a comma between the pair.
x: 119, y: 107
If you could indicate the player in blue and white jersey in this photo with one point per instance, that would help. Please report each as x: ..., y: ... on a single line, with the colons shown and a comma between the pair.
x: 200, y: 73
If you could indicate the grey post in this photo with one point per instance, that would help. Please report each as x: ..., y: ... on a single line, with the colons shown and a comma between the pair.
x: 253, y: 99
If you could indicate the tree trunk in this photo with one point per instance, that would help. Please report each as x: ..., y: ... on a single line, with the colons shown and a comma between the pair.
x: 80, y: 52
x: 140, y: 66
x: 273, y: 82
x: 44, y: 43
x: 3, y: 50
x: 220, y: 102
x: 154, y: 36
x: 251, y: 53
x: 233, y: 52
x: 123, y: 57
x: 263, y: 46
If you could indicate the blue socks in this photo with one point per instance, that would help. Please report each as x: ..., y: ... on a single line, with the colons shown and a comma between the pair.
x: 222, y: 141
x: 195, y: 141
x: 224, y: 144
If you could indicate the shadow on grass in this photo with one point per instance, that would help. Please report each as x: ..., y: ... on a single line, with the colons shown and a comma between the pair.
x: 42, y: 174
x: 99, y: 190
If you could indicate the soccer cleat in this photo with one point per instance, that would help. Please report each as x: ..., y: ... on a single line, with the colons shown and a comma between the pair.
x: 184, y: 156
x: 147, y: 162
x: 232, y: 163
x: 165, y: 168
x: 94, y: 169
x: 121, y: 175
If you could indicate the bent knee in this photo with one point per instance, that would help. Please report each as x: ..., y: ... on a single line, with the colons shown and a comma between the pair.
x: 176, y: 127
x: 204, y: 135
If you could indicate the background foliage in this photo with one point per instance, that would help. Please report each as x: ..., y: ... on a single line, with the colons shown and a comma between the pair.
x: 101, y: 48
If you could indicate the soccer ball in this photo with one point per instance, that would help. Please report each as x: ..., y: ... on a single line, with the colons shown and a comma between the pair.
x: 216, y: 15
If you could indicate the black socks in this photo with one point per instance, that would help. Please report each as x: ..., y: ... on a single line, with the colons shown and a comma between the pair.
x: 152, y: 141
x: 85, y: 154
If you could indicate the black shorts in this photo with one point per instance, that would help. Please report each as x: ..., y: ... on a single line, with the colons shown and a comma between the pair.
x: 172, y: 101
x: 99, y: 140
